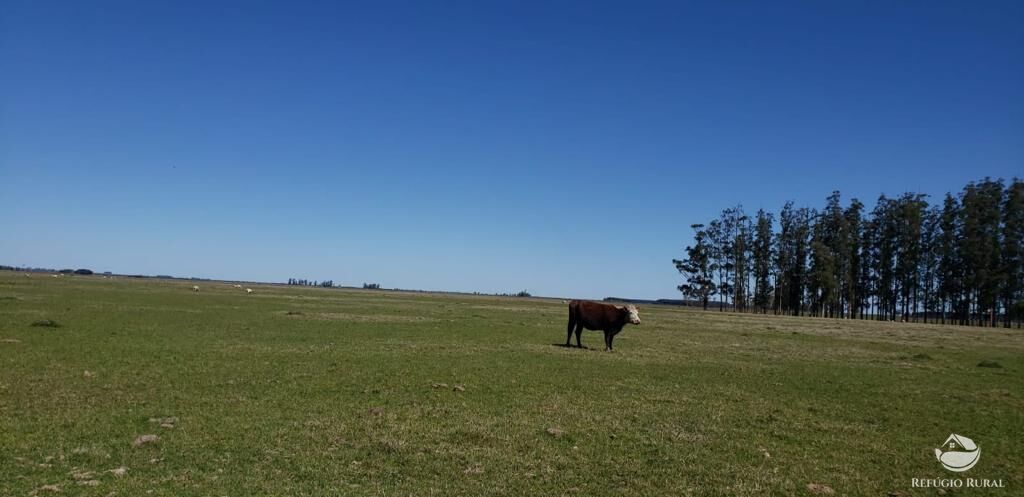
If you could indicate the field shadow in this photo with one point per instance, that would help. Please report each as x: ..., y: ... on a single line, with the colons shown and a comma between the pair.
x: 564, y: 346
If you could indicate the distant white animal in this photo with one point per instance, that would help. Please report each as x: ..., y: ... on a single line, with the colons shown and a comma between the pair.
x: 237, y: 286
x: 55, y: 275
x: 195, y: 288
x: 248, y: 290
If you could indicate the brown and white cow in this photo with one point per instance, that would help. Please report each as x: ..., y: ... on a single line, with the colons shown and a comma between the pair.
x: 599, y: 317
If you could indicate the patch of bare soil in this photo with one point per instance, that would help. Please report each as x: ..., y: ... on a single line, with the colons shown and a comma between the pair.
x: 820, y: 489
x: 144, y: 440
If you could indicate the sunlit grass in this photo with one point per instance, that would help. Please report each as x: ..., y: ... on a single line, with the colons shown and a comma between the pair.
x: 294, y: 391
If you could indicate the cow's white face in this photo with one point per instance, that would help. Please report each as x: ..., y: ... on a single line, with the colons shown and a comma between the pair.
x: 634, y: 314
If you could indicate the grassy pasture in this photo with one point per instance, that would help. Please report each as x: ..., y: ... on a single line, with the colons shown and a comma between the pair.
x: 295, y: 391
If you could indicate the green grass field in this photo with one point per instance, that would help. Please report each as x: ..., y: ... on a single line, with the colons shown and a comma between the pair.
x: 295, y: 391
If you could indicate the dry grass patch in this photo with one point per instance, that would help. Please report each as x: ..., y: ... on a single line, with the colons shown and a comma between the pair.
x: 370, y: 318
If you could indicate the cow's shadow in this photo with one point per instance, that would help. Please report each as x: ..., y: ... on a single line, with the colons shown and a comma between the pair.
x: 564, y: 346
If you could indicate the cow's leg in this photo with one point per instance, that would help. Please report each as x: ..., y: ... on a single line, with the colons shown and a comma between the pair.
x: 607, y: 340
x: 579, y: 331
x: 572, y: 326
x: 611, y: 338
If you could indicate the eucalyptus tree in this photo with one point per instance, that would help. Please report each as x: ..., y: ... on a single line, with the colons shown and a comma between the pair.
x: 761, y: 257
x: 1012, y: 254
x: 950, y: 271
x: 852, y: 248
x: 980, y: 211
x: 697, y: 268
x: 720, y: 247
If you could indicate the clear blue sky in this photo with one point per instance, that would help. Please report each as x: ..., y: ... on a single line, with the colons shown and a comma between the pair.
x: 558, y: 147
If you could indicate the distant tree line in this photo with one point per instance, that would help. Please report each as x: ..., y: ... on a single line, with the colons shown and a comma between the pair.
x: 45, y: 270
x: 521, y: 293
x: 305, y: 282
x: 959, y: 261
x: 371, y: 286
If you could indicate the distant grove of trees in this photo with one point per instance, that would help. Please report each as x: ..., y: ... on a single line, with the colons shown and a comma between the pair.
x: 304, y: 282
x: 84, y: 272
x: 960, y: 261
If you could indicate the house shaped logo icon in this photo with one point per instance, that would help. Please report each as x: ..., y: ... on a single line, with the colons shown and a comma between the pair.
x: 958, y: 453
